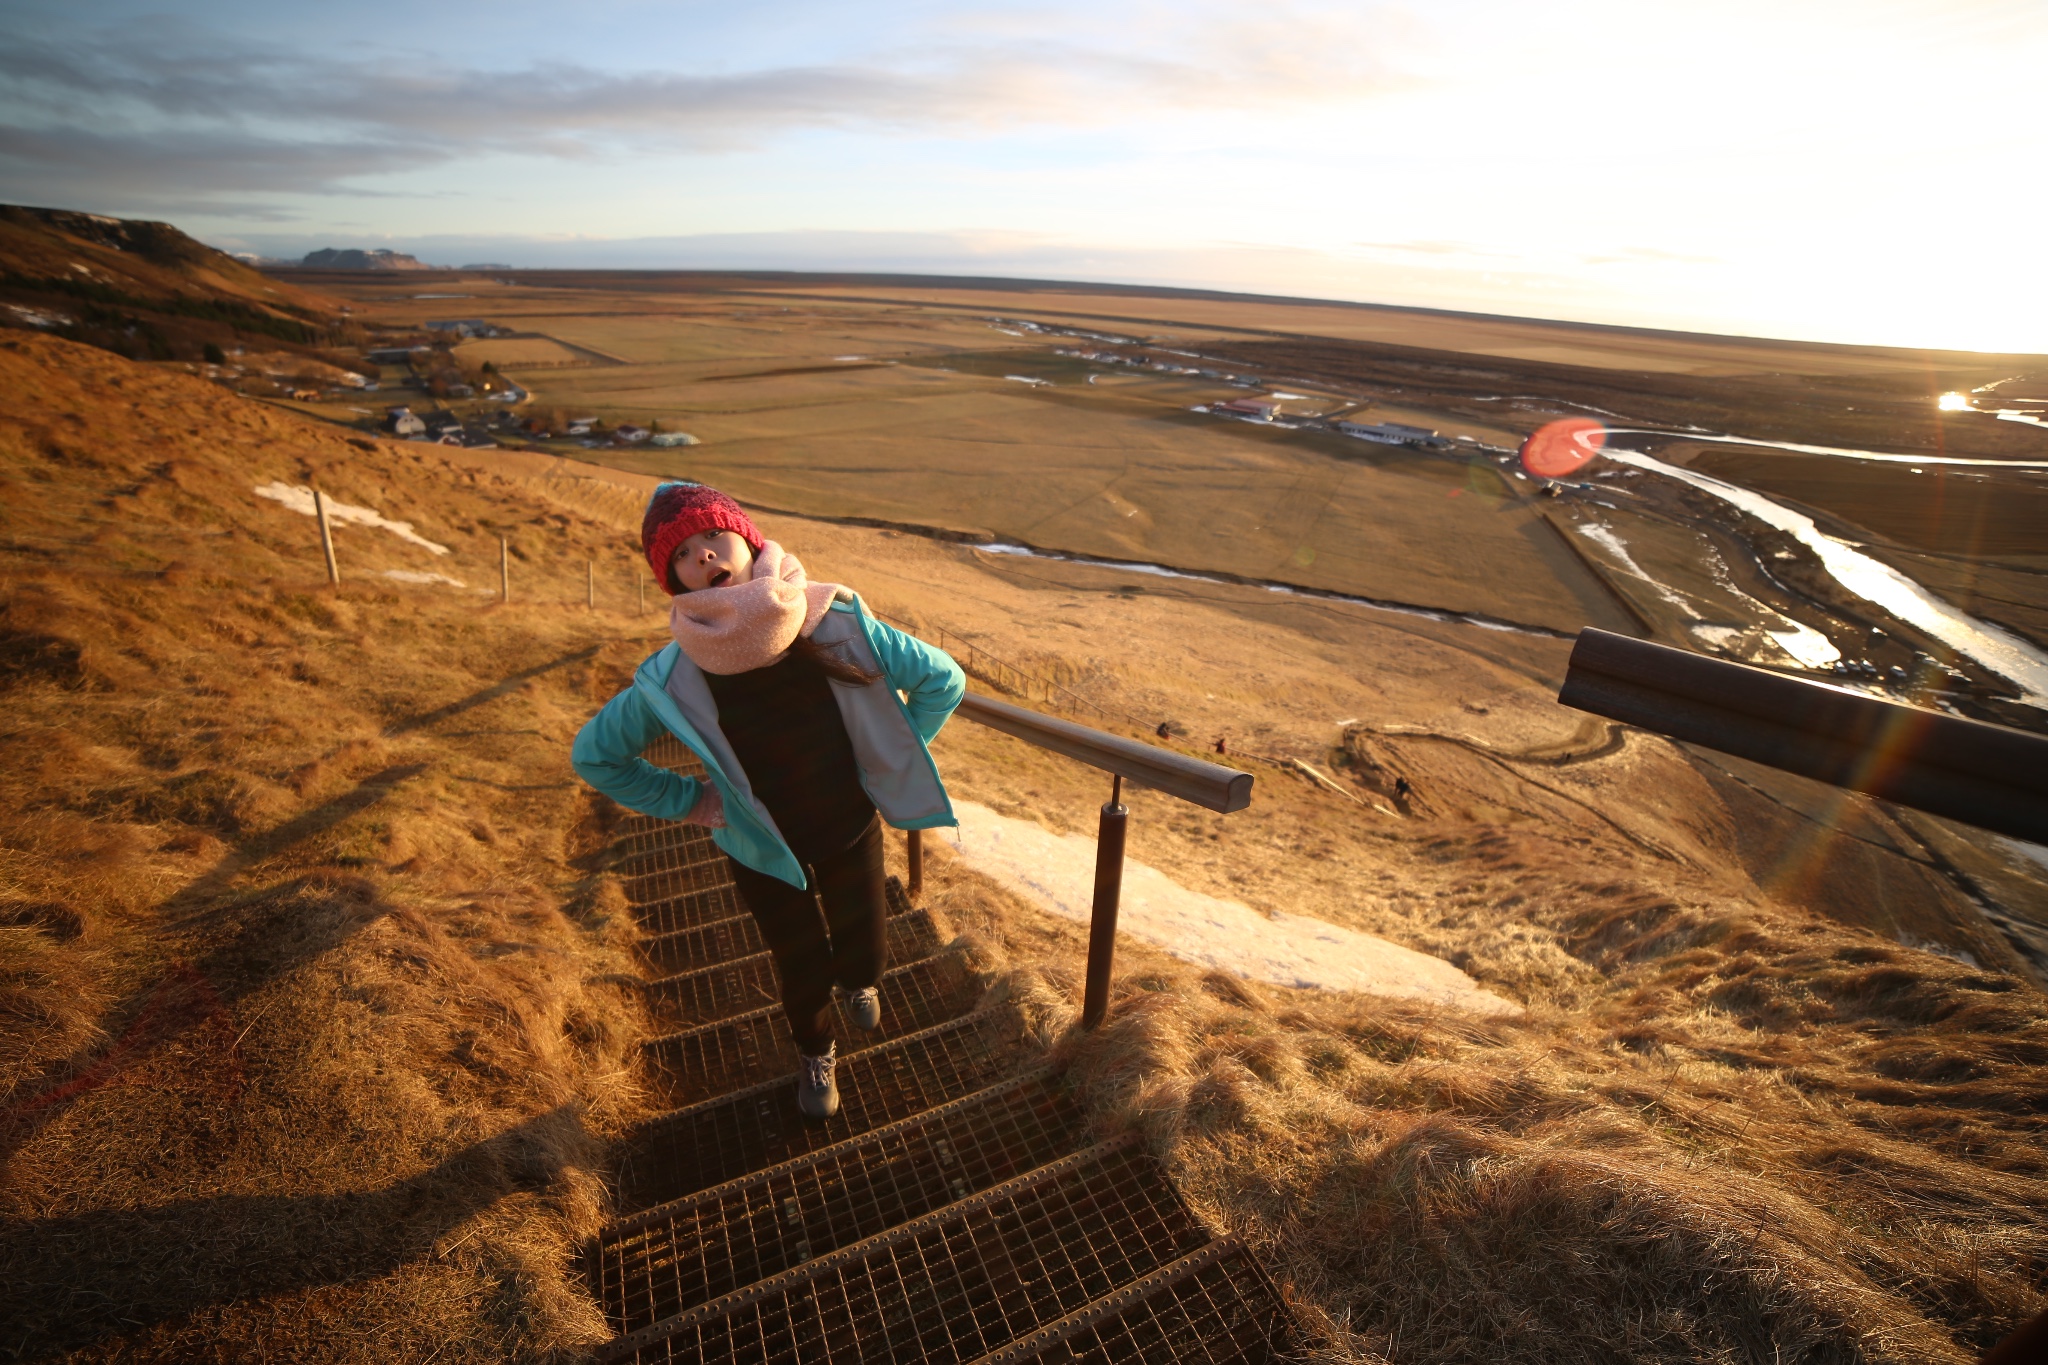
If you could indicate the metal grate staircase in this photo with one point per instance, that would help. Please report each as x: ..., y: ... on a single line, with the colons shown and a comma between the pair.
x: 955, y: 1210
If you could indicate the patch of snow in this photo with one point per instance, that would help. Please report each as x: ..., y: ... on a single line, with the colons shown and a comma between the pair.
x: 1606, y: 539
x: 35, y: 317
x: 1057, y: 873
x: 1027, y: 379
x: 420, y: 576
x: 1928, y: 945
x: 1809, y: 647
x: 299, y: 498
x: 1291, y: 396
x: 2032, y: 852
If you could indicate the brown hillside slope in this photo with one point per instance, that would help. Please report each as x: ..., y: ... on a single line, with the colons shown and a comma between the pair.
x: 306, y: 1027
x: 1735, y: 1124
x: 311, y: 1041
x: 142, y: 289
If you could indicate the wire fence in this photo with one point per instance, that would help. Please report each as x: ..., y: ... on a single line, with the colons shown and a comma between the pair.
x: 978, y: 662
x: 1007, y: 677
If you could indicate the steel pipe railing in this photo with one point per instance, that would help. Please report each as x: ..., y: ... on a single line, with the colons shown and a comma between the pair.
x: 1209, y: 785
x: 1990, y: 776
x: 1206, y: 784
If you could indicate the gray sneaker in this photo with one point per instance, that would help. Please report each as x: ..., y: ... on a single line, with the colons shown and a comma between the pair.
x: 864, y: 1007
x: 817, y: 1094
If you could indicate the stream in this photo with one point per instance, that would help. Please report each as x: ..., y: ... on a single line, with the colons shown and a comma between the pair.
x: 1998, y: 650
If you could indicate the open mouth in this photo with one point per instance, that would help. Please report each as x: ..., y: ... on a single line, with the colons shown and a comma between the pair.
x: 721, y: 578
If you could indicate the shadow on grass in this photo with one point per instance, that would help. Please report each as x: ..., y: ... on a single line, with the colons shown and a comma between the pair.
x: 259, y: 936
x: 67, y: 1283
x: 502, y: 688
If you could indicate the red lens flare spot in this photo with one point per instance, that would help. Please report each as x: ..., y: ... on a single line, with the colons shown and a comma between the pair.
x: 1560, y: 449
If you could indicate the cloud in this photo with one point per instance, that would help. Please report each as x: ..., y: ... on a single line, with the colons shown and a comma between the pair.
x: 152, y: 165
x: 166, y: 103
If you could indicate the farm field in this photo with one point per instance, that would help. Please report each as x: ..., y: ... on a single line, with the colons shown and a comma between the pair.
x: 1075, y: 421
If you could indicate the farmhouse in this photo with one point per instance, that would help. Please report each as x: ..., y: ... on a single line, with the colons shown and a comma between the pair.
x: 1252, y: 409
x: 1392, y: 433
x: 402, y: 422
x: 467, y: 327
x: 626, y: 434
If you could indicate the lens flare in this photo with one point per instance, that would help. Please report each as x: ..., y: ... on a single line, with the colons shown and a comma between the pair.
x: 1953, y: 402
x: 1559, y: 449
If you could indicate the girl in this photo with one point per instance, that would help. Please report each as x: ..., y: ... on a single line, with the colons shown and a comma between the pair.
x: 812, y: 720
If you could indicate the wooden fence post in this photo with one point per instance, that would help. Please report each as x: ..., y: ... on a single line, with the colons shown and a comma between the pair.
x: 590, y: 584
x: 504, y: 570
x: 326, y: 538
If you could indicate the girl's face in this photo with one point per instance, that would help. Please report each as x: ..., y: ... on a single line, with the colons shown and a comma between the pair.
x: 712, y: 559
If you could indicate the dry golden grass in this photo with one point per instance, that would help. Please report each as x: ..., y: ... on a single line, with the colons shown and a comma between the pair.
x: 1757, y: 1137
x: 1740, y: 1120
x: 310, y: 1023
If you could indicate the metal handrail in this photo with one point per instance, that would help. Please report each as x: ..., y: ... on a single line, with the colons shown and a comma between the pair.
x: 1990, y: 776
x: 1209, y: 785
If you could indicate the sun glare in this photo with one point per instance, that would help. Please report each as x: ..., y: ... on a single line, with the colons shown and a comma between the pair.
x: 1954, y: 402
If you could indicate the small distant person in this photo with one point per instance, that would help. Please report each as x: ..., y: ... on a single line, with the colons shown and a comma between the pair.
x: 1219, y: 745
x: 786, y: 691
x: 1163, y: 732
x: 1401, y: 788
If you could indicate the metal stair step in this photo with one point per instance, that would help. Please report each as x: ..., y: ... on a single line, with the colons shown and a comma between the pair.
x: 727, y: 940
x: 707, y: 945
x: 691, y: 910
x: 950, y: 1286
x: 724, y: 989
x: 711, y: 994
x: 636, y: 834
x: 689, y: 1251
x: 664, y: 882
x: 1215, y: 1306
x: 721, y: 1139
x: 714, y: 1059
x: 634, y: 863
x: 666, y: 751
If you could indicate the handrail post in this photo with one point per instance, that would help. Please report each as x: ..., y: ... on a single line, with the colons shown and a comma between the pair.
x: 913, y: 849
x: 1109, y: 883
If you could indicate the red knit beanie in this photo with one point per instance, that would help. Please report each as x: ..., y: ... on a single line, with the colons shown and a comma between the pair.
x: 678, y: 511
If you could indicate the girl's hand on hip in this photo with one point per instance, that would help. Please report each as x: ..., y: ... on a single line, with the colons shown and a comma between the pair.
x: 709, y: 810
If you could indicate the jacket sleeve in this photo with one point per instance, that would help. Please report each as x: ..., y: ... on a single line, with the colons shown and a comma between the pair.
x: 607, y: 756
x: 931, y: 683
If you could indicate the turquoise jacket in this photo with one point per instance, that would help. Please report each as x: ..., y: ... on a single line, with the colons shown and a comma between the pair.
x: 891, y: 724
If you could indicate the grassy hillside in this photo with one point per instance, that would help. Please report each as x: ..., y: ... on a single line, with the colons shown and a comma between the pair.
x: 311, y: 1018
x: 306, y: 1027
x: 144, y: 290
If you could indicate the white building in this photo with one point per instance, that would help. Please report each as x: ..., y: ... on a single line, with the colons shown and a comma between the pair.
x: 1392, y: 433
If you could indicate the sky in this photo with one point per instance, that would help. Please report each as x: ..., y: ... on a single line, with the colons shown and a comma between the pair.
x: 1868, y: 172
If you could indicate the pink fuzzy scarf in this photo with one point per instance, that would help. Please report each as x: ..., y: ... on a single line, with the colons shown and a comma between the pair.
x: 744, y: 626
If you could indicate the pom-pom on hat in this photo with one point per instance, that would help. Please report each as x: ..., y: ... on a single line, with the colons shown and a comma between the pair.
x: 678, y: 511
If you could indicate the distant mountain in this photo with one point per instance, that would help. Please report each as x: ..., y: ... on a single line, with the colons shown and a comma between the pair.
x: 352, y: 258
x: 142, y: 289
